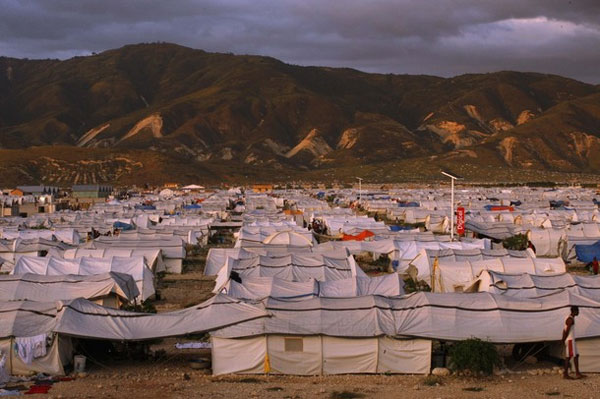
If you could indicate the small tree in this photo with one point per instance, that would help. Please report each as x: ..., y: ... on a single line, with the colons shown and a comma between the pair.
x: 475, y: 355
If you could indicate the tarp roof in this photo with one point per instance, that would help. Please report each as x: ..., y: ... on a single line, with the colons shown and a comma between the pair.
x: 42, y: 288
x: 256, y: 288
x: 495, y: 318
x: 82, y: 318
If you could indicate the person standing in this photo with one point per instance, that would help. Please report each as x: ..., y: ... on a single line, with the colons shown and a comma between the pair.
x: 568, y: 338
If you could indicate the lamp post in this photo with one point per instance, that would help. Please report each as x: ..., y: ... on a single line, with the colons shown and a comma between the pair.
x: 452, y: 177
x: 359, y: 190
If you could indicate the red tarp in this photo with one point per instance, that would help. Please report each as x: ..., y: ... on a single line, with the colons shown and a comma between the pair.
x: 502, y: 208
x: 359, y: 237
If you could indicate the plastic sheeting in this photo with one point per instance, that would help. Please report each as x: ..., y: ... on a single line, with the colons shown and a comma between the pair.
x: 51, y: 266
x: 292, y: 267
x: 153, y: 257
x: 42, y: 288
x: 496, y: 318
x: 458, y: 276
x: 256, y: 288
x: 526, y: 285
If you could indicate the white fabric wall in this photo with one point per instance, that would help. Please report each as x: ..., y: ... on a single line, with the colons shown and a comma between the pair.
x: 321, y: 355
x: 589, y: 354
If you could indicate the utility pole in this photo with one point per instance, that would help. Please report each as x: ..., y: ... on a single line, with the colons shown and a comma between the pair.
x: 359, y: 189
x: 452, y: 177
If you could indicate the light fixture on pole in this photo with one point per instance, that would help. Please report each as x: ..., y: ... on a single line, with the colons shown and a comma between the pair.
x: 452, y: 177
x: 359, y: 189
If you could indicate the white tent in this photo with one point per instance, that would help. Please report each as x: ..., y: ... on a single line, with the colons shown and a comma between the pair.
x: 292, y: 267
x: 153, y: 257
x: 172, y: 249
x: 136, y: 267
x: 83, y: 319
x: 426, y: 257
x: 525, y: 285
x: 548, y: 242
x: 108, y: 289
x: 319, y: 336
x: 256, y: 288
x: 458, y: 276
x: 217, y: 257
x: 29, y: 319
x: 288, y: 238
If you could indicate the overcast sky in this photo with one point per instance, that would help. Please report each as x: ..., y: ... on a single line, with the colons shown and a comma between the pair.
x: 438, y: 37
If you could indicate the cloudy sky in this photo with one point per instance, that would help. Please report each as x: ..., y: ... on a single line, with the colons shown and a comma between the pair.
x: 439, y: 37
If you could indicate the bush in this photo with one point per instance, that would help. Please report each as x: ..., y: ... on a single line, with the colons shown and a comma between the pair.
x: 432, y: 380
x: 475, y: 355
x: 518, y: 242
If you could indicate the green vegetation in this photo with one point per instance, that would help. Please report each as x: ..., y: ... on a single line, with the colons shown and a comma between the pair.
x: 432, y: 380
x: 475, y: 355
x: 346, y: 395
x: 518, y: 242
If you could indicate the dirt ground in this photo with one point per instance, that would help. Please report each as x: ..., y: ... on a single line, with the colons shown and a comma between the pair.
x: 171, y: 376
x: 175, y: 379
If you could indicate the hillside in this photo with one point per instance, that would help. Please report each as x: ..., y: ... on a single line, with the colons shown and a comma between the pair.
x: 158, y: 112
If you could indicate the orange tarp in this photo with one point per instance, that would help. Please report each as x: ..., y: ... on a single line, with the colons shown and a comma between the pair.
x: 359, y: 237
x: 292, y: 212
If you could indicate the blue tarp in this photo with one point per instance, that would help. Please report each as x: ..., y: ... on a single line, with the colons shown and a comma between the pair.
x: 192, y: 206
x: 399, y: 228
x: 586, y: 253
x: 145, y: 207
x: 408, y: 204
x: 122, y: 226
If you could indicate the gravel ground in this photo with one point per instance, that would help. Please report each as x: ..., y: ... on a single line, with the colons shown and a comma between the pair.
x: 174, y: 379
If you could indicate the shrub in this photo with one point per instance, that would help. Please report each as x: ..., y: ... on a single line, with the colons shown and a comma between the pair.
x: 432, y: 380
x: 475, y: 355
x: 518, y: 242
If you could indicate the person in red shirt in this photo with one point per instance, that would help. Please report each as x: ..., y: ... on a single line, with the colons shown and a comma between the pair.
x: 595, y: 266
x: 568, y: 339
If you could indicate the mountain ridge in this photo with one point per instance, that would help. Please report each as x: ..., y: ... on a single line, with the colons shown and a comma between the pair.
x: 227, y: 117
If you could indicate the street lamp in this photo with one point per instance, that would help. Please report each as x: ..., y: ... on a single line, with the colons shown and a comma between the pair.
x: 359, y: 189
x: 452, y: 177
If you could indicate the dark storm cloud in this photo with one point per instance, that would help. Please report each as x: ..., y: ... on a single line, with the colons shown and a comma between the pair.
x: 441, y: 37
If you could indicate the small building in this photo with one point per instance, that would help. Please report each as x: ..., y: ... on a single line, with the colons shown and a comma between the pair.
x: 262, y: 188
x: 37, y: 190
x: 93, y: 191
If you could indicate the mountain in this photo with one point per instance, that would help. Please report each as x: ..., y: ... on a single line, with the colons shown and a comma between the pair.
x: 163, y: 112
